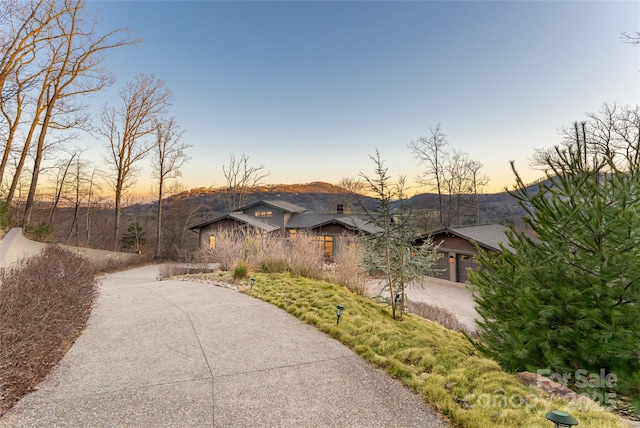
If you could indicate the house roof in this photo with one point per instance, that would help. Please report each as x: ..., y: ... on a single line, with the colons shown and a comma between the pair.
x: 489, y: 236
x: 315, y: 220
x: 300, y: 219
x: 241, y: 218
x: 281, y: 205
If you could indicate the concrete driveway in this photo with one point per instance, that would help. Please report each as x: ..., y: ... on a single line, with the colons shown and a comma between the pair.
x: 453, y: 296
x: 184, y: 354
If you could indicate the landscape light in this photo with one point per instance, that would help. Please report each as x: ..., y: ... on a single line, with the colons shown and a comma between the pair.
x: 561, y: 419
x: 253, y: 281
x: 339, y: 313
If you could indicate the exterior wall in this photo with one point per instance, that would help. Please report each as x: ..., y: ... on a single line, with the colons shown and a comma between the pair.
x: 337, y: 231
x: 454, y: 244
x: 277, y: 216
x: 456, y: 257
x: 206, y: 232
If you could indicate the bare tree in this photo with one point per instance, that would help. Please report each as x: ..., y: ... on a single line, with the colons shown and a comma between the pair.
x: 354, y: 188
x: 126, y: 129
x: 25, y: 29
x: 180, y: 213
x: 60, y: 182
x: 478, y: 181
x: 613, y: 133
x: 83, y: 188
x: 429, y: 151
x: 169, y: 156
x: 72, y: 56
x: 631, y: 38
x: 240, y: 177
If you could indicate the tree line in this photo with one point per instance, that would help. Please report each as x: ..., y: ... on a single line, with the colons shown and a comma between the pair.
x: 51, y: 59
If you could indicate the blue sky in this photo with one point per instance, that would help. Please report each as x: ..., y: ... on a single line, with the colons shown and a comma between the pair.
x: 310, y: 89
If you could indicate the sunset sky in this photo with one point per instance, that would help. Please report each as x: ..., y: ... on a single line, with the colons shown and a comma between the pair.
x: 310, y: 89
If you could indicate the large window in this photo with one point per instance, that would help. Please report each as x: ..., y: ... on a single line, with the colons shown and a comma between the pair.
x: 212, y: 242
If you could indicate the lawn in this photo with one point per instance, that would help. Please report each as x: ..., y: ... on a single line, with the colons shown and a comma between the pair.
x: 439, y: 364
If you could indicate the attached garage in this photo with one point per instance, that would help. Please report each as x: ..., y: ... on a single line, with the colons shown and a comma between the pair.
x: 457, y: 248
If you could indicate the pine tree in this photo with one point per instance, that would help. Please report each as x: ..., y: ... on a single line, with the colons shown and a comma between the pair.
x: 134, y: 239
x: 567, y: 298
x: 389, y: 253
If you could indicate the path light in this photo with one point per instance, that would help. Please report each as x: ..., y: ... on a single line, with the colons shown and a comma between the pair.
x: 561, y: 419
x: 253, y: 281
x: 339, y: 313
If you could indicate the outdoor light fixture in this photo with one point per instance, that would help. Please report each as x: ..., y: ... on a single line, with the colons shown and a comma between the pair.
x: 561, y: 419
x: 253, y: 281
x: 339, y: 313
x: 452, y: 259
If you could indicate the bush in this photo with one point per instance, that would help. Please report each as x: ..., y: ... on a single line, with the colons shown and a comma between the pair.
x: 442, y: 316
x: 40, y: 233
x: 45, y: 302
x: 227, y: 251
x: 305, y: 257
x: 240, y: 271
x: 274, y: 257
x: 346, y: 270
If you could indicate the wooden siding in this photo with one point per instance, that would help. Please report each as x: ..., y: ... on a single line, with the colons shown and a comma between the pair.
x: 206, y: 232
x: 277, y: 216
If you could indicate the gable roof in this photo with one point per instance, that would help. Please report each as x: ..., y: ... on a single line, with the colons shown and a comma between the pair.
x: 489, y: 236
x: 241, y: 218
x: 315, y: 220
x: 281, y: 205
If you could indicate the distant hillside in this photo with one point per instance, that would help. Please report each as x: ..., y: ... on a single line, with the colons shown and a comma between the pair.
x: 317, y: 196
x: 314, y: 187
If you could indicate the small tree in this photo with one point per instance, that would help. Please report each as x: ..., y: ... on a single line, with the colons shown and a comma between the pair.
x: 133, y: 239
x: 568, y: 299
x: 389, y: 252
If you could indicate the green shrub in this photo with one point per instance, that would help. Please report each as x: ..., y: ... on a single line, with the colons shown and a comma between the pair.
x: 240, y: 270
x: 41, y: 233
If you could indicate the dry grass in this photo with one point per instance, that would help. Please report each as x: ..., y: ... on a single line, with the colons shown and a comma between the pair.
x: 300, y: 256
x: 442, y: 316
x: 346, y: 269
x: 227, y: 251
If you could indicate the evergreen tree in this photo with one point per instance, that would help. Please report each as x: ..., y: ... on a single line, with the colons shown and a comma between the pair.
x: 389, y: 253
x: 567, y: 298
x: 134, y: 238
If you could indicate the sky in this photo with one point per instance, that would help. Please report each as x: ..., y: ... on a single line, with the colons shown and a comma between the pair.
x: 310, y: 90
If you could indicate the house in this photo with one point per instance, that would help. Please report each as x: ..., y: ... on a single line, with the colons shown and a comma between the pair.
x: 457, y: 248
x: 286, y: 219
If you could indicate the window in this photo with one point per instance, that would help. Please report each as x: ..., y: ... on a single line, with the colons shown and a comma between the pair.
x: 292, y: 233
x: 326, y: 245
x: 263, y: 214
x: 212, y: 242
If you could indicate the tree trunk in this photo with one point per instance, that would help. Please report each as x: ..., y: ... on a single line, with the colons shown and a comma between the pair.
x: 159, y: 223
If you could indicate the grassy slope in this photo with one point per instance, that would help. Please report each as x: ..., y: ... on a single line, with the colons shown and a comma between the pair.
x: 437, y: 363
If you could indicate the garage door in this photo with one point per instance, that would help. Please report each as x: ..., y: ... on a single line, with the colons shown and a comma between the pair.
x: 465, y: 262
x: 441, y: 267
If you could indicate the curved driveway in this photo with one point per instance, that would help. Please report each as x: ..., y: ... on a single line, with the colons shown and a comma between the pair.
x: 175, y: 353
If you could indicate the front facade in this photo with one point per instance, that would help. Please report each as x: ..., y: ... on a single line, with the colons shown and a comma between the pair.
x: 457, y: 250
x: 286, y: 220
